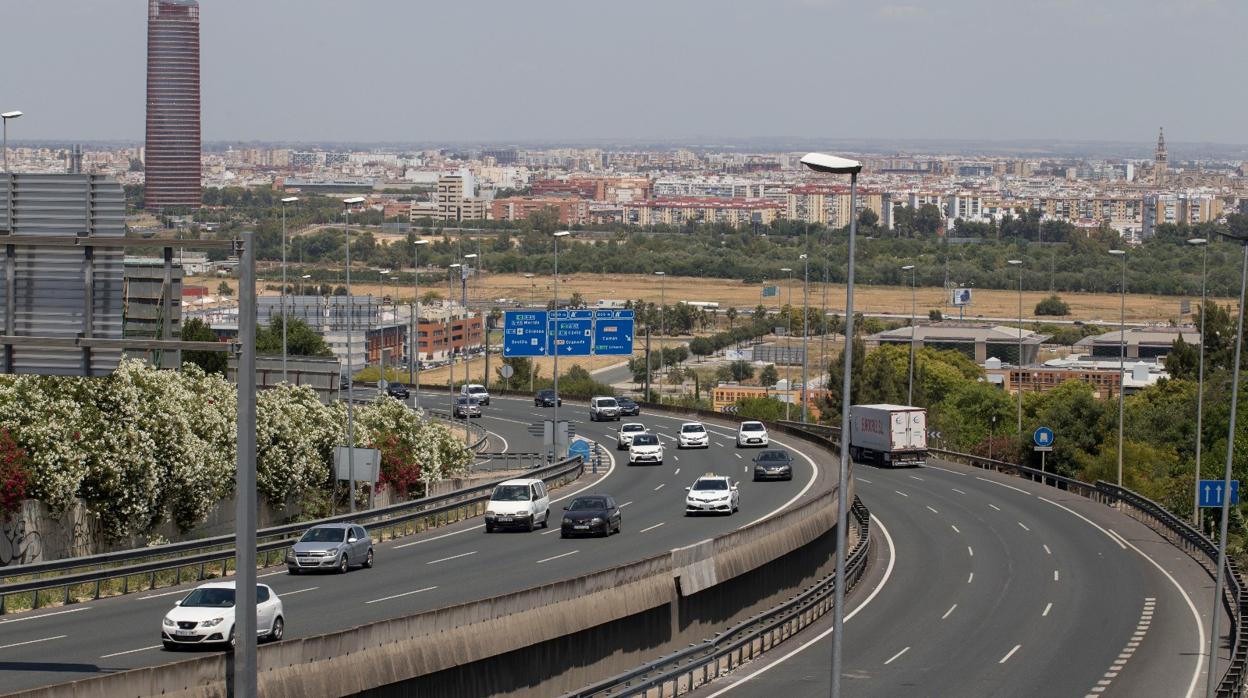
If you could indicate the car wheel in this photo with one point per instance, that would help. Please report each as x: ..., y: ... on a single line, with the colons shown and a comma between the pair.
x: 489, y: 528
x: 619, y: 526
x: 343, y: 564
x: 563, y: 534
x: 292, y: 571
x: 279, y: 628
x: 169, y: 646
x: 532, y: 524
x: 233, y: 640
x: 368, y: 559
x: 546, y: 520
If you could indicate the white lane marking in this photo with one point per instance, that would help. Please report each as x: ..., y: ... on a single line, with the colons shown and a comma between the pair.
x: 504, y: 419
x: 901, y: 493
x: 1002, y: 484
x: 677, y: 459
x: 1024, y: 526
x: 1009, y: 654
x: 1055, y: 576
x: 1047, y: 551
x: 556, y: 557
x: 957, y: 490
x: 895, y: 656
x: 1087, y: 520
x: 932, y: 509
x: 296, y: 591
x: 994, y: 506
x: 949, y: 611
x: 677, y: 472
x: 271, y: 574
x: 937, y: 467
x: 141, y: 649
x: 970, y: 551
x: 61, y: 613
x: 738, y: 455
x: 1047, y: 608
x: 970, y: 578
x: 916, y: 477
x: 661, y: 486
x: 599, y: 481
x: 651, y: 528
x: 506, y: 446
x: 720, y: 445
x: 863, y: 480
x: 626, y: 504
x: 888, y: 572
x: 547, y: 533
x: 397, y: 596
x: 746, y: 469
x: 955, y: 528
x: 171, y: 593
x: 31, y: 642
x: 1118, y: 536
x: 453, y: 557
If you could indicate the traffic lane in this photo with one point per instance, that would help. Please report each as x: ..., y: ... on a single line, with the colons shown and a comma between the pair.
x: 450, y: 559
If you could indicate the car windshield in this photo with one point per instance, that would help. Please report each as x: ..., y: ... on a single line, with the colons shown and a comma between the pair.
x: 324, y: 535
x: 209, y: 597
x: 545, y: 393
x: 474, y: 389
x: 710, y: 485
x: 633, y: 427
x: 773, y: 455
x: 692, y: 429
x: 645, y: 440
x: 396, y: 386
x: 752, y: 426
x: 588, y: 504
x: 608, y: 402
x: 624, y: 400
x: 511, y: 493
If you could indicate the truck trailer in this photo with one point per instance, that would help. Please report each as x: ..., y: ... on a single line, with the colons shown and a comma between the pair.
x: 888, y: 435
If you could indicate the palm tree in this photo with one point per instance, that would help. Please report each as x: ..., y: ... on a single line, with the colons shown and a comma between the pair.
x: 731, y: 314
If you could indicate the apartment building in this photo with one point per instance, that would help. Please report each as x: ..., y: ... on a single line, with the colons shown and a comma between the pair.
x: 830, y: 204
x: 454, y: 200
x: 571, y: 210
x: 678, y: 211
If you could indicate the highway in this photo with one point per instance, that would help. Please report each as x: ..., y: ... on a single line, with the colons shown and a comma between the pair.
x: 987, y: 585
x: 441, y: 567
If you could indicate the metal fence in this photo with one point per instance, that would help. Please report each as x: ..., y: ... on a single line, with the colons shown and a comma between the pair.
x: 1173, y: 528
x: 141, y: 569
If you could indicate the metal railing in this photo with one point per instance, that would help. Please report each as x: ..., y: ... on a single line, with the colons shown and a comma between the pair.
x: 1173, y: 528
x: 698, y: 664
x: 202, y: 556
x: 510, y: 460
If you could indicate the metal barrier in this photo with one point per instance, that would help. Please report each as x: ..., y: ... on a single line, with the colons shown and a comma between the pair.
x: 1174, y: 529
x: 686, y: 670
x: 508, y: 461
x: 402, y: 519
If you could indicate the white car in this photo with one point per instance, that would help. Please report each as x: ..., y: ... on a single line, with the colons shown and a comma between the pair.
x: 206, y: 616
x: 712, y: 494
x: 477, y: 391
x: 628, y: 430
x: 602, y: 409
x: 693, y: 435
x: 522, y: 503
x: 645, y: 448
x: 751, y: 434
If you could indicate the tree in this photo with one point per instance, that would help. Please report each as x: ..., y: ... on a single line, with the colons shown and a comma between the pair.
x: 1053, y: 305
x: 1183, y: 361
x: 577, y: 300
x: 766, y: 409
x: 301, y: 340
x: 769, y: 375
x: 741, y: 370
x: 935, y: 315
x: 731, y: 314
x: 223, y: 289
x: 524, y: 371
x: 868, y: 218
x: 196, y: 330
x: 701, y: 346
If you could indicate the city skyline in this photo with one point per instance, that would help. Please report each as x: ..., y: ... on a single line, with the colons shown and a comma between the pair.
x: 919, y: 72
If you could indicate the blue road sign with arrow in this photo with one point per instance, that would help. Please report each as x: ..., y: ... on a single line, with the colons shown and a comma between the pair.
x: 613, y: 332
x: 571, y: 332
x: 1043, y: 436
x: 581, y: 448
x: 1211, y: 492
x: 525, y: 333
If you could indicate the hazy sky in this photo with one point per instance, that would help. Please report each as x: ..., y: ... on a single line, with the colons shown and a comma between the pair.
x: 477, y: 70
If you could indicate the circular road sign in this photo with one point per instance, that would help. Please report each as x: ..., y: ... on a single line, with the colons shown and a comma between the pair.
x: 382, y: 384
x: 1043, y: 436
x: 507, y: 371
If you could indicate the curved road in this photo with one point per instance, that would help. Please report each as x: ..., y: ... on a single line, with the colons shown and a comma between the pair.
x: 441, y: 567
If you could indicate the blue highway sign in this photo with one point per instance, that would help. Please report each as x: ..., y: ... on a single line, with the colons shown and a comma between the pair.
x: 613, y: 332
x: 1043, y: 436
x: 525, y: 333
x: 1211, y: 492
x: 572, y: 333
x: 581, y: 448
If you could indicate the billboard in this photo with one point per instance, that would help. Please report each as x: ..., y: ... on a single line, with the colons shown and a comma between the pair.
x: 960, y: 297
x: 769, y: 291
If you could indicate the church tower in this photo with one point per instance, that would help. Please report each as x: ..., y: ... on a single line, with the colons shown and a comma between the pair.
x: 1159, y: 159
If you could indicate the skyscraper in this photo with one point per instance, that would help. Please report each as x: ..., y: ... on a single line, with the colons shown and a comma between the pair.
x: 172, y: 160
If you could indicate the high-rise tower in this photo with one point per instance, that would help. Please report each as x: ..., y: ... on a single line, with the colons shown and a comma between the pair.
x: 1159, y: 159
x: 172, y: 159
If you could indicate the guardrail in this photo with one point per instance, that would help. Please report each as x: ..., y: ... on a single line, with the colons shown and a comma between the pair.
x: 699, y: 664
x: 397, y: 520
x: 510, y: 460
x: 1150, y: 513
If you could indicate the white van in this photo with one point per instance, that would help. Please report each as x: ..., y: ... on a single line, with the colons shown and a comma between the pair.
x: 522, y: 503
x: 476, y: 391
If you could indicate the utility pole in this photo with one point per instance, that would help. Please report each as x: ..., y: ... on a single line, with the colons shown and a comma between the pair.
x: 244, y: 655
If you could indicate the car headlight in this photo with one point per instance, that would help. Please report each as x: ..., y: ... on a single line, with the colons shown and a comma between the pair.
x: 566, y: 520
x: 169, y: 622
x: 597, y: 520
x: 212, y: 623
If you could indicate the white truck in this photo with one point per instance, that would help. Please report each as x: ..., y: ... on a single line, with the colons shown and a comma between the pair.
x: 888, y: 435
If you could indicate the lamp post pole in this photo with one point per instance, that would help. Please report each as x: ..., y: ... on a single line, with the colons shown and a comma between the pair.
x: 1122, y: 356
x: 1200, y: 380
x: 555, y: 346
x: 910, y: 382
x: 463, y: 277
x: 805, y: 333
x: 662, y: 329
x: 413, y: 332
x: 450, y: 343
x: 381, y: 323
x: 5, y: 117
x: 282, y: 297
x: 788, y: 336
x: 346, y: 217
x: 1019, y: 263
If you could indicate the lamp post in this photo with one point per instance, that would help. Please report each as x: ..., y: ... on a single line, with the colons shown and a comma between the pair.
x: 788, y: 334
x: 1019, y: 263
x: 1200, y: 377
x: 1212, y: 682
x: 5, y: 117
x: 381, y: 322
x: 831, y: 164
x: 303, y: 280
x: 555, y: 344
x: 805, y: 325
x: 910, y: 382
x: 464, y: 288
x: 282, y: 298
x: 346, y: 218
x: 413, y: 323
x: 1122, y: 355
x: 662, y: 329
x: 450, y: 344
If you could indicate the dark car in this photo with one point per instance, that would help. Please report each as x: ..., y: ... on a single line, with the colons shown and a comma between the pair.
x: 628, y: 406
x: 594, y: 514
x: 397, y: 391
x: 466, y: 407
x: 546, y: 398
x: 773, y: 464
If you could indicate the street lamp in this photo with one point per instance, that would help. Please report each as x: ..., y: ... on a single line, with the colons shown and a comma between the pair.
x: 282, y: 297
x: 805, y: 325
x: 450, y: 344
x: 5, y: 118
x: 662, y: 329
x: 381, y: 322
x: 910, y: 383
x: 413, y: 324
x: 1122, y: 356
x: 788, y: 334
x: 830, y: 164
x: 1200, y: 379
x: 464, y: 290
x: 303, y: 279
x: 555, y: 344
x: 346, y: 218
x: 1019, y: 263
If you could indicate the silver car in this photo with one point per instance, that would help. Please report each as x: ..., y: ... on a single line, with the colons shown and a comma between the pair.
x: 331, y: 547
